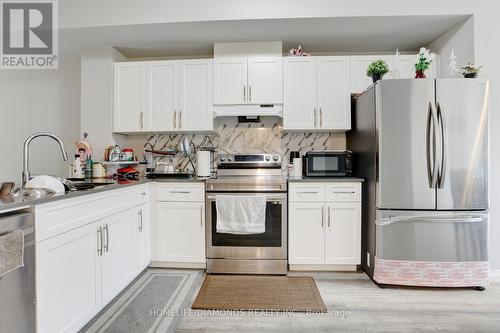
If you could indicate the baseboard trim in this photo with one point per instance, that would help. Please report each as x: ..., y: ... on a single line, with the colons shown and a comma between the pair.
x: 337, y: 268
x: 495, y: 275
x: 173, y: 264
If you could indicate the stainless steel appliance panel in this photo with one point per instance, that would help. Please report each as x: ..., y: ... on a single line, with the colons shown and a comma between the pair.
x: 17, y: 288
x: 406, y: 124
x: 462, y: 104
x: 250, y: 247
x: 432, y: 236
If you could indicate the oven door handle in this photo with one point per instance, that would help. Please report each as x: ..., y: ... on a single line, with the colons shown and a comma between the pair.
x: 273, y: 197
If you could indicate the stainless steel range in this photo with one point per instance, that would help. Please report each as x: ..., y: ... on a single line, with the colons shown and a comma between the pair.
x: 263, y: 253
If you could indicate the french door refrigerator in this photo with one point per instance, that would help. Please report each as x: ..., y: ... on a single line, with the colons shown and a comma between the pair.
x: 422, y: 146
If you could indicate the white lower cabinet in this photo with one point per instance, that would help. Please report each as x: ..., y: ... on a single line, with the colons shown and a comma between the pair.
x: 306, y: 233
x: 181, y: 231
x: 68, y: 280
x: 343, y: 233
x: 80, y: 271
x: 142, y: 234
x: 118, y: 252
x: 325, y: 232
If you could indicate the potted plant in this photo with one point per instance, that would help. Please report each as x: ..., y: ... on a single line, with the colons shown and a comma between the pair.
x: 377, y: 69
x: 470, y: 71
x: 424, y: 60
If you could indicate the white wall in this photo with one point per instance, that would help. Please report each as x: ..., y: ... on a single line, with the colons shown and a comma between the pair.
x: 461, y: 40
x: 36, y: 101
x: 97, y: 99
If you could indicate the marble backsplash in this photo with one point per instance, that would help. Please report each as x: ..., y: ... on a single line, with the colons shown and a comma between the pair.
x: 233, y: 137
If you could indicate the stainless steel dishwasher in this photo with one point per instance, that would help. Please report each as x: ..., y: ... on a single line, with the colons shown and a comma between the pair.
x: 17, y: 288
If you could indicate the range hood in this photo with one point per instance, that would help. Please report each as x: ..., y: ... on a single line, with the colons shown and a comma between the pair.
x: 273, y: 110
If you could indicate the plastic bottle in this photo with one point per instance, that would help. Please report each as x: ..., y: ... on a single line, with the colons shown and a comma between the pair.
x: 77, y: 167
x: 89, y: 164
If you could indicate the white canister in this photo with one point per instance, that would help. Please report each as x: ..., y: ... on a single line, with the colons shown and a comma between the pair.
x: 297, y: 168
x: 203, y: 163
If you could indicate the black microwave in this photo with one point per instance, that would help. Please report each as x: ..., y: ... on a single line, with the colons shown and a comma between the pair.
x: 327, y: 164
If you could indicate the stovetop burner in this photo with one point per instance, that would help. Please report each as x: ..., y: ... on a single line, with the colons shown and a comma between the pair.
x: 248, y: 173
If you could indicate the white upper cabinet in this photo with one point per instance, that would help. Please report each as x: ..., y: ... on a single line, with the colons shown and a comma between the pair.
x: 265, y: 81
x: 128, y: 97
x: 359, y: 64
x: 334, y: 95
x: 163, y: 96
x: 317, y: 93
x: 248, y: 81
x: 407, y: 67
x: 299, y: 93
x: 196, y: 95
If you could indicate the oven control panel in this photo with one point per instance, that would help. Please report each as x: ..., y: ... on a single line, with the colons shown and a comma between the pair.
x: 249, y: 159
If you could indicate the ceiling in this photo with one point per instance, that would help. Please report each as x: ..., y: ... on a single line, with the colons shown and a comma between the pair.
x: 328, y: 35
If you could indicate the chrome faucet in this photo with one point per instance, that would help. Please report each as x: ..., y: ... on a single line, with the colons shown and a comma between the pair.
x: 26, y: 150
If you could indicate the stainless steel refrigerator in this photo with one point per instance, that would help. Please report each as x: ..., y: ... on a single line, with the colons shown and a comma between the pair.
x: 422, y: 146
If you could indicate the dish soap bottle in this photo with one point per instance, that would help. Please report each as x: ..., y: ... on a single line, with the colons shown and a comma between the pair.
x: 89, y: 164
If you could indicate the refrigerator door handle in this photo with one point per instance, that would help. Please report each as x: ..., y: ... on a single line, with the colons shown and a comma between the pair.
x: 442, y: 126
x: 431, y: 146
x: 432, y: 219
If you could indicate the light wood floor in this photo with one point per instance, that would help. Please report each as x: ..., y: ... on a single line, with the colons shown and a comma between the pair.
x: 370, y: 309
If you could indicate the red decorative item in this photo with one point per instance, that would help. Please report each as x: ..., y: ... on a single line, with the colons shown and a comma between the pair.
x: 419, y: 74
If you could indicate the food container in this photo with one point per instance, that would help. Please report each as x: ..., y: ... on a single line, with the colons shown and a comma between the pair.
x: 128, y: 154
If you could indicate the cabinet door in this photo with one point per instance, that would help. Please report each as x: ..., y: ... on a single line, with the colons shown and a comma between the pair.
x: 299, y: 92
x: 407, y: 67
x: 343, y: 233
x: 118, y: 253
x: 162, y: 96
x: 265, y: 80
x: 306, y: 233
x: 230, y: 81
x: 142, y: 232
x: 68, y: 280
x: 359, y: 65
x: 128, y: 106
x: 334, y: 93
x: 196, y: 95
x: 181, y: 231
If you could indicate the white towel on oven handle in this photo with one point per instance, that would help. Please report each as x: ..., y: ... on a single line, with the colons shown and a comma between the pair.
x: 241, y: 215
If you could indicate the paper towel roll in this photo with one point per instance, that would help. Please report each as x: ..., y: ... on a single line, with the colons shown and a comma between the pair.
x: 203, y: 163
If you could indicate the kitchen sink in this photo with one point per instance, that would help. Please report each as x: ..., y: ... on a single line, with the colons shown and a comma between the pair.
x: 33, y: 193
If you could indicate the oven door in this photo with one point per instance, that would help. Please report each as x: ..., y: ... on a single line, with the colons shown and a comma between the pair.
x: 325, y: 164
x: 269, y: 245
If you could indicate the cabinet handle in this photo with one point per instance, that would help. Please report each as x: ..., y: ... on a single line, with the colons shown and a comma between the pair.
x: 99, y: 241
x: 175, y: 119
x: 201, y: 215
x: 140, y: 220
x: 141, y: 119
x: 329, y: 212
x: 322, y: 216
x: 180, y: 119
x: 309, y: 192
x: 180, y: 192
x: 315, y: 117
x: 244, y: 92
x: 320, y: 117
x: 143, y: 193
x: 249, y: 92
x: 106, y: 238
x: 344, y: 192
